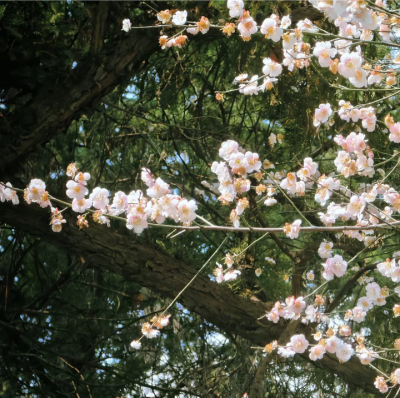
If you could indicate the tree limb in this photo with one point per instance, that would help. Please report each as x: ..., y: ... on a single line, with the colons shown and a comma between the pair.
x: 125, y: 255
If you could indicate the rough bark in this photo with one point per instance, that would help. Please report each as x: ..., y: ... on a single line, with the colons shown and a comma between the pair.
x: 50, y: 113
x: 122, y: 254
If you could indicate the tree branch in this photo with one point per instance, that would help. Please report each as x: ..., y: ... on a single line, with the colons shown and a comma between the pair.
x: 50, y: 114
x: 123, y: 254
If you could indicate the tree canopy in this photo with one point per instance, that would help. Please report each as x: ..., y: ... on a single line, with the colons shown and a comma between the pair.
x: 75, y: 88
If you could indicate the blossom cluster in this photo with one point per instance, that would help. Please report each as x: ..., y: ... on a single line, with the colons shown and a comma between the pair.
x: 228, y: 274
x: 354, y: 20
x: 232, y: 175
x: 306, y: 176
x: 356, y: 142
x: 8, y: 194
x: 151, y: 329
x: 347, y: 344
x: 367, y: 115
x: 137, y: 208
x: 356, y: 157
x: 344, y: 346
x: 343, y: 349
x: 394, y: 129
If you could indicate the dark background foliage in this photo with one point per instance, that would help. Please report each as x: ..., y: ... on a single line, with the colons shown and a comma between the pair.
x: 76, y: 88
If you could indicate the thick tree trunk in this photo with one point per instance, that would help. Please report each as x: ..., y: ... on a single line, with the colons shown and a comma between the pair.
x: 54, y: 108
x: 122, y: 254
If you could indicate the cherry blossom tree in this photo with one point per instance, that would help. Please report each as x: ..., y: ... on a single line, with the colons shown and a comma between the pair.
x: 321, y: 201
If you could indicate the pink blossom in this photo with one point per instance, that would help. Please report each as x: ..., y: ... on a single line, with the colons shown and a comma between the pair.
x: 81, y: 178
x: 349, y: 64
x: 80, y: 205
x: 325, y: 249
x: 369, y: 123
x: 317, y: 352
x: 271, y: 68
x: 56, y: 224
x: 310, y: 165
x: 268, y: 83
x: 155, y: 212
x: 192, y: 31
x: 311, y: 313
x: 292, y: 230
x: 247, y: 27
x: 394, y: 135
x: 373, y: 290
x: 359, y: 79
x: 352, y: 143
x: 99, y: 198
x: 286, y: 22
x: 232, y: 274
x: 126, y: 25
x: 347, y: 112
x: 273, y: 316
x: 219, y: 273
x: 344, y: 352
x: 300, y: 188
x: 334, y: 266
x: 76, y: 190
x: 365, y: 167
x: 396, y: 376
x: 136, y: 344
x: 333, y: 344
x: 365, y: 303
x: 348, y: 30
x: 289, y: 183
x: 242, y: 185
x: 235, y: 8
x: 310, y: 275
x: 324, y: 52
x: 384, y: 31
x: 381, y: 385
x: 136, y: 220
x: 238, y: 163
x: 272, y: 139
x: 120, y: 202
x: 35, y: 190
x: 9, y: 194
x: 270, y: 202
x: 322, y: 114
x: 158, y: 189
x: 375, y: 78
x: 366, y: 35
x: 241, y: 206
x: 241, y: 78
x: 228, y: 148
x: 288, y: 40
x: 387, y: 267
x: 358, y: 314
x: 250, y: 88
x: 186, y: 210
x: 366, y: 356
x: 179, y: 18
x: 299, y: 343
x: 356, y: 206
x: 149, y: 332
x: 286, y: 352
x: 146, y: 177
x: 270, y: 29
x: 296, y: 305
x: 306, y: 25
